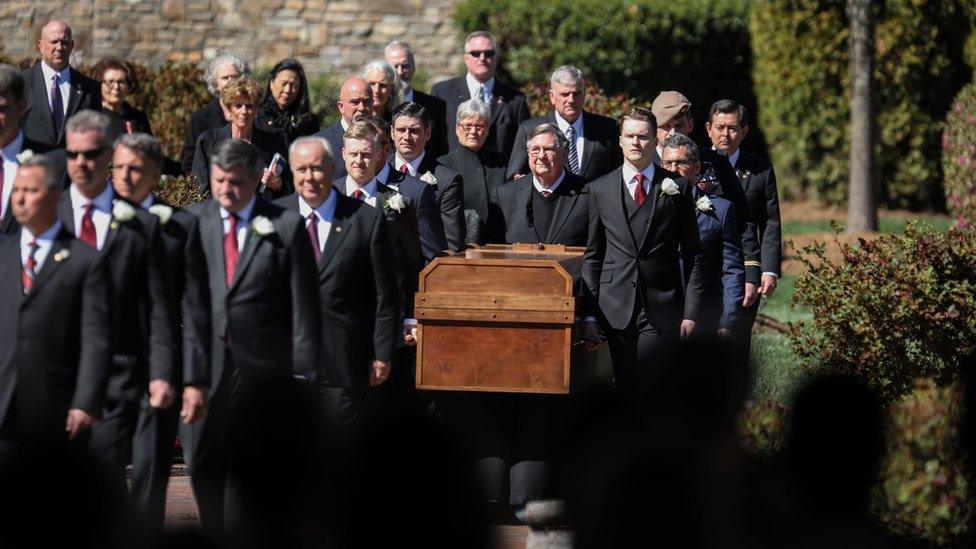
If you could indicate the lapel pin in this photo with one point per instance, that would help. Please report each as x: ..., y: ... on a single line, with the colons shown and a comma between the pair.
x: 338, y: 229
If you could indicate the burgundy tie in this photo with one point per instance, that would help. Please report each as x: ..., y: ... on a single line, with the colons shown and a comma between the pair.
x: 88, y: 227
x: 639, y: 193
x: 57, y: 105
x: 30, y: 269
x: 313, y: 234
x: 358, y: 194
x: 231, y: 252
x: 405, y: 168
x: 546, y: 194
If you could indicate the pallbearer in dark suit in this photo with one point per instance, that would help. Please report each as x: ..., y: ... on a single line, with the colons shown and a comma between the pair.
x: 356, y: 280
x: 137, y: 165
x: 508, y: 105
x: 720, y: 238
x: 54, y: 320
x: 642, y: 224
x: 400, y: 55
x: 593, y: 149
x: 355, y: 101
x: 55, y: 90
x: 410, y: 132
x: 264, y: 316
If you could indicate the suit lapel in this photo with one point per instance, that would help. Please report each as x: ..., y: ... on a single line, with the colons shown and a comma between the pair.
x: 212, y: 238
x: 623, y: 197
x: 74, y: 95
x: 251, y: 243
x: 10, y: 270
x: 65, y: 213
x: 41, y: 98
x: 524, y: 198
x: 51, y: 263
x: 564, y: 205
x: 336, y: 233
x: 655, y: 202
x: 588, y: 145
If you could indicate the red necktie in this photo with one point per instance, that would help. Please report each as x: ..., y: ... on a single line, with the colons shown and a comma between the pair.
x: 405, y: 168
x: 358, y: 194
x: 30, y: 269
x: 313, y: 234
x: 546, y: 194
x: 231, y: 253
x: 639, y: 193
x: 88, y: 227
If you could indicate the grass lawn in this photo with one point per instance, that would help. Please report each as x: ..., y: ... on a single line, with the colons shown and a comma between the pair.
x: 887, y: 224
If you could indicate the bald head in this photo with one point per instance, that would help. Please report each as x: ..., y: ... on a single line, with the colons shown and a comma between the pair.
x: 355, y: 99
x: 55, y: 44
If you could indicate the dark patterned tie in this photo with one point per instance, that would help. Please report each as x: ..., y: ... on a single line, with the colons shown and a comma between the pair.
x: 573, y: 153
x: 313, y: 234
x: 30, y: 268
x: 57, y: 105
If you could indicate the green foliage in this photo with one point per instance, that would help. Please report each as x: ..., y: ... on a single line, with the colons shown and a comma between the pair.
x: 597, y: 101
x: 959, y: 157
x: 803, y: 84
x: 169, y: 95
x: 763, y: 427
x: 180, y: 191
x: 893, y: 309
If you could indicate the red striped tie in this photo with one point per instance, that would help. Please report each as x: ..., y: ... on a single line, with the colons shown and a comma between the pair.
x: 30, y: 268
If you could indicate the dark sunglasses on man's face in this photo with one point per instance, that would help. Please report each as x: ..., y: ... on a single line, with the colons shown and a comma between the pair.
x: 87, y: 155
x: 477, y: 53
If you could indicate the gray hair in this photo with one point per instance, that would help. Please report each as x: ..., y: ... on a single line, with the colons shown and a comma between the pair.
x: 549, y: 128
x: 387, y: 69
x: 482, y: 34
x: 51, y: 169
x: 11, y: 83
x: 399, y: 45
x: 310, y: 140
x: 678, y: 140
x: 89, y: 120
x: 144, y: 145
x: 474, y: 107
x: 567, y: 75
x: 234, y: 153
x: 210, y: 74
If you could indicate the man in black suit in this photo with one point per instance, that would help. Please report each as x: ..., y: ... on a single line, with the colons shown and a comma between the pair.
x: 411, y: 130
x: 642, y: 224
x: 143, y: 324
x: 56, y: 91
x: 355, y: 101
x: 264, y: 312
x: 356, y: 279
x: 54, y: 314
x: 550, y: 205
x: 137, y: 163
x: 727, y: 126
x: 593, y: 148
x: 399, y: 54
x: 508, y: 106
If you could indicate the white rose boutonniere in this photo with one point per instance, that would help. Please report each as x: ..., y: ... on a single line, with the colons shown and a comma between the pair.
x: 704, y: 204
x: 262, y: 226
x: 669, y: 187
x: 122, y: 211
x: 429, y: 178
x: 24, y: 156
x: 62, y: 255
x: 162, y: 211
x: 395, y: 203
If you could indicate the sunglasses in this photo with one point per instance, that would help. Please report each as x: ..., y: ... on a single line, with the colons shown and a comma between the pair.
x: 87, y: 155
x: 478, y: 53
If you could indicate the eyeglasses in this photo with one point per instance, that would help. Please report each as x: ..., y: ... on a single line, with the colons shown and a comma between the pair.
x: 115, y: 83
x: 91, y: 154
x: 670, y: 164
x: 477, y: 127
x: 478, y: 53
x: 539, y: 151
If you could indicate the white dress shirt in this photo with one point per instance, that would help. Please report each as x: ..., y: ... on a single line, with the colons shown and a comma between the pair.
x: 8, y: 158
x: 243, y: 221
x: 412, y: 166
x: 44, y: 242
x: 369, y: 190
x: 578, y: 128
x: 65, y: 84
x: 631, y: 183
x: 552, y: 188
x: 474, y: 87
x: 325, y: 212
x: 101, y: 212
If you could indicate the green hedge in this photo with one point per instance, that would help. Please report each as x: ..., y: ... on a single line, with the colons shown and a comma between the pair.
x: 959, y: 157
x: 802, y: 82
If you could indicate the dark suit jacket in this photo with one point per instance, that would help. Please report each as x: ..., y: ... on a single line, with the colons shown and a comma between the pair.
x: 430, y: 224
x: 333, y: 134
x: 266, y: 143
x: 208, y: 117
x: 508, y: 110
x: 145, y: 341
x: 36, y: 121
x: 570, y: 220
x: 450, y: 199
x: 8, y: 224
x: 601, y: 146
x: 724, y: 270
x: 620, y: 267
x: 436, y: 110
x: 54, y: 341
x: 759, y: 183
x: 730, y: 187
x: 358, y: 292
x: 268, y: 319
x: 135, y: 118
x: 481, y: 173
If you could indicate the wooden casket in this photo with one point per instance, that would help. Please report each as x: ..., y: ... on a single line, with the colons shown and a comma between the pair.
x: 501, y: 318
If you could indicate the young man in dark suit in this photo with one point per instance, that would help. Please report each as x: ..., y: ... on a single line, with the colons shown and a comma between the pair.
x: 399, y: 54
x: 55, y: 339
x: 264, y: 318
x: 642, y: 226
x: 508, y: 106
x: 56, y: 91
x: 355, y: 101
x: 593, y: 148
x: 356, y: 280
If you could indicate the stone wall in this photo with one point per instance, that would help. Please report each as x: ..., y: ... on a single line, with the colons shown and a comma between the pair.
x: 328, y: 36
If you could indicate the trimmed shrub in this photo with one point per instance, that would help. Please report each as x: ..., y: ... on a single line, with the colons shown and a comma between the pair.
x: 597, y: 101
x: 959, y: 157
x: 892, y: 310
x: 802, y: 82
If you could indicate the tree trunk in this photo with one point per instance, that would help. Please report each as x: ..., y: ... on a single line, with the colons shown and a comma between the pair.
x: 862, y: 208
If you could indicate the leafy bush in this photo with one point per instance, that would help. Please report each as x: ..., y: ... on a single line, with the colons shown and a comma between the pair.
x: 893, y: 310
x: 180, y: 191
x: 597, y: 101
x: 959, y: 157
x: 169, y: 96
x: 802, y: 82
x: 763, y: 427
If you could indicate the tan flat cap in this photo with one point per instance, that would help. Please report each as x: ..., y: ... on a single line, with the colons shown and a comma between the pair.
x: 668, y: 105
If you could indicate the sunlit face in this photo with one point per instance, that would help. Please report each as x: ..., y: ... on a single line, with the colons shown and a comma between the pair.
x: 481, y: 58
x: 472, y: 132
x: 567, y: 101
x: 34, y: 205
x: 637, y: 142
x: 55, y: 45
x: 403, y: 64
x: 311, y: 170
x: 409, y: 136
x: 242, y: 112
x: 232, y: 188
x: 680, y: 124
x: 381, y: 88
x: 355, y: 100
x: 133, y: 177
x: 679, y: 161
x: 10, y: 112
x: 88, y: 158
x: 115, y: 87
x: 361, y: 159
x: 225, y: 74
x: 546, y: 159
x: 725, y: 132
x: 286, y: 86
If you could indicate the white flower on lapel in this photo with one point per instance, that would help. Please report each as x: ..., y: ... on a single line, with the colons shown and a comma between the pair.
x: 395, y: 203
x: 704, y: 204
x: 24, y: 156
x: 429, y: 178
x: 669, y: 187
x: 162, y: 211
x: 62, y: 255
x: 262, y: 225
x: 123, y: 211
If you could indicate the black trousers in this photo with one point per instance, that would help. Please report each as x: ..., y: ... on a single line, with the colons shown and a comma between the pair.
x: 111, y: 440
x: 152, y: 459
x: 639, y: 352
x: 344, y: 407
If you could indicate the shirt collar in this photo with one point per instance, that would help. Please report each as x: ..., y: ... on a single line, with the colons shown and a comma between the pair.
x: 414, y: 164
x: 564, y: 124
x: 64, y: 75
x: 369, y: 189
x: 384, y: 175
x: 50, y: 234
x: 474, y: 85
x: 408, y: 96
x: 324, y: 211
x: 630, y: 171
x: 147, y: 203
x: 102, y: 202
x: 245, y: 213
x: 344, y: 124
x: 10, y: 152
x: 734, y: 157
x: 538, y: 186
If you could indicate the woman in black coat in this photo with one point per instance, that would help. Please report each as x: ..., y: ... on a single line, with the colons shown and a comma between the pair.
x: 286, y: 108
x: 221, y: 71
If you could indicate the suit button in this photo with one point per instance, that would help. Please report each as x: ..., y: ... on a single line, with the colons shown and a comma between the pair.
x: 633, y: 284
